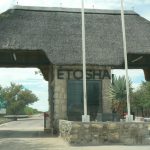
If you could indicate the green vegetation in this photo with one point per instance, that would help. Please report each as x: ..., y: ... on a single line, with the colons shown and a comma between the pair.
x: 140, y: 99
x: 30, y: 111
x: 118, y: 95
x: 17, y: 99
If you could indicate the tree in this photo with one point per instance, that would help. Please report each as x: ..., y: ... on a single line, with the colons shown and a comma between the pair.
x: 141, y: 100
x: 30, y: 111
x: 17, y: 98
x: 118, y: 94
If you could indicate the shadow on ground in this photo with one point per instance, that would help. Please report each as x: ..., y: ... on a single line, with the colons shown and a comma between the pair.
x: 24, y: 134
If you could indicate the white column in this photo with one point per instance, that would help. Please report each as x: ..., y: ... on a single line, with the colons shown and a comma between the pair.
x: 85, y: 117
x: 129, y: 117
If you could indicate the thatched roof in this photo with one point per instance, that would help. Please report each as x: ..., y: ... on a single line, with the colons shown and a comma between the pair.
x: 57, y: 32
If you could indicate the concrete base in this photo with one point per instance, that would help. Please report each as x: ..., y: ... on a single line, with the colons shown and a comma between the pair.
x: 85, y: 118
x: 129, y: 118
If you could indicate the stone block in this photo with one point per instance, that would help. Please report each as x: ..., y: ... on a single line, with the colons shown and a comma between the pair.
x: 64, y: 109
x: 63, y: 89
x: 87, y: 138
x: 97, y: 125
x: 56, y: 95
x: 65, y: 96
x: 146, y: 141
x: 96, y: 129
x: 74, y: 131
x: 57, y: 89
x: 56, y: 101
x: 86, y: 126
x: 112, y: 126
x: 56, y: 108
x: 114, y: 137
x: 76, y: 126
x: 127, y: 141
x: 73, y: 137
x: 64, y: 101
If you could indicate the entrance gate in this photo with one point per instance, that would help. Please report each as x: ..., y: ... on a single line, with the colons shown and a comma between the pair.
x: 75, y: 99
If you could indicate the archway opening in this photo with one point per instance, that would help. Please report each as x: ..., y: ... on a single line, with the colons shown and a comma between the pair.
x: 30, y: 121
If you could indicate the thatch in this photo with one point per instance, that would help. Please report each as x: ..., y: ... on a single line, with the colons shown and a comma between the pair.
x: 57, y: 32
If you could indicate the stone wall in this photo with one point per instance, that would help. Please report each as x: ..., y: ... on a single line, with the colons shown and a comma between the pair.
x: 105, y: 133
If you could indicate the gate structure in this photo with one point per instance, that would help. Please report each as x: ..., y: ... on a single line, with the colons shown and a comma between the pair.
x: 50, y: 39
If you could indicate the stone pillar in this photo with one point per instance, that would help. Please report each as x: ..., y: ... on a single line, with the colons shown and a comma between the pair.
x: 106, y: 100
x: 60, y: 99
x: 50, y: 99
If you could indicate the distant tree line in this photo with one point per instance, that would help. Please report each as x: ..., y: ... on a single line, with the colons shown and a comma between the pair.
x: 139, y: 98
x: 17, y: 99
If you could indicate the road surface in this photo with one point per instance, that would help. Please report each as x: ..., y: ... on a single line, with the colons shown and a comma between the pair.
x: 27, y: 134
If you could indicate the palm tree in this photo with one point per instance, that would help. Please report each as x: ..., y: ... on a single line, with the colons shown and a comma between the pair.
x: 118, y: 94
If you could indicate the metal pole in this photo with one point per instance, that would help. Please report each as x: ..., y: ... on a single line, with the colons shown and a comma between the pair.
x: 125, y: 57
x: 84, y: 117
x: 84, y: 60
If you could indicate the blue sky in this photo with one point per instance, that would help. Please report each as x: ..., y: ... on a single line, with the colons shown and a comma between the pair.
x: 36, y: 83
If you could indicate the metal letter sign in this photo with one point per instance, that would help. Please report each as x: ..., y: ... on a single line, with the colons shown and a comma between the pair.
x: 78, y: 74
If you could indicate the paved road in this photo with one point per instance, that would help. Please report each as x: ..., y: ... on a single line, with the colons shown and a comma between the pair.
x: 27, y: 134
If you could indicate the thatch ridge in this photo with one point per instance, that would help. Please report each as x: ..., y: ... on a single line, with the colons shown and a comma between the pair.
x: 71, y: 10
